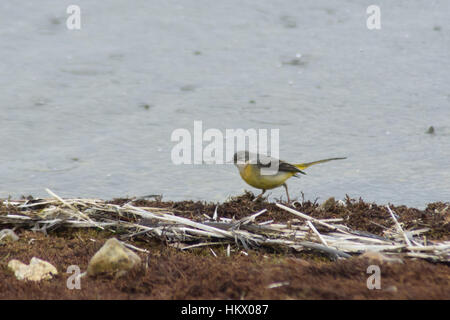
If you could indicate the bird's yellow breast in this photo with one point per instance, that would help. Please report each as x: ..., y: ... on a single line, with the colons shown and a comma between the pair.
x: 252, y: 175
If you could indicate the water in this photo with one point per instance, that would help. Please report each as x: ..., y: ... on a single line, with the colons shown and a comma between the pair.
x: 90, y: 113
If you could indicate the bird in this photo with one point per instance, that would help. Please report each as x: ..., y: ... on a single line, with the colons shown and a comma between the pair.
x: 250, y: 166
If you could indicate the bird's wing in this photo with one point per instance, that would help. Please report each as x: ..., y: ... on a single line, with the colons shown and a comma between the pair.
x: 283, y: 166
x: 287, y: 167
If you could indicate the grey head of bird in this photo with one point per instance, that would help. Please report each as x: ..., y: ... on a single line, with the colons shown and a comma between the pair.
x: 241, y: 156
x: 240, y: 159
x: 244, y: 157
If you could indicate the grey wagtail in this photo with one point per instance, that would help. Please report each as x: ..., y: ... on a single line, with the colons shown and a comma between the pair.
x: 251, y: 164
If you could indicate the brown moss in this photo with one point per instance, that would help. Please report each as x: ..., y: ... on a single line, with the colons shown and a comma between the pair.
x: 174, y: 274
x: 169, y: 273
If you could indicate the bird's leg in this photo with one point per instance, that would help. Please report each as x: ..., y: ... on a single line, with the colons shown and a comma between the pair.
x: 263, y: 190
x: 287, y: 193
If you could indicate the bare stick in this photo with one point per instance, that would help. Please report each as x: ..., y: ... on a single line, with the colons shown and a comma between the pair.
x: 317, y: 233
x: 85, y: 217
x: 304, y: 216
x: 399, y: 228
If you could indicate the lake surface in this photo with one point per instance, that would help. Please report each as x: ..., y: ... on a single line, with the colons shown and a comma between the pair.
x: 90, y: 112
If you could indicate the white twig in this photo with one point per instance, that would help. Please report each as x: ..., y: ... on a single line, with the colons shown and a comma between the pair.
x: 316, y: 232
x: 278, y: 284
x: 134, y: 248
x: 399, y: 228
x: 215, y: 213
x: 304, y: 216
x: 81, y: 214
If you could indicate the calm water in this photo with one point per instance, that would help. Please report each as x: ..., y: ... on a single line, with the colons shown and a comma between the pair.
x: 90, y: 112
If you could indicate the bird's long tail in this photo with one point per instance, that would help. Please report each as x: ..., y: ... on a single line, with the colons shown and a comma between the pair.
x: 305, y: 165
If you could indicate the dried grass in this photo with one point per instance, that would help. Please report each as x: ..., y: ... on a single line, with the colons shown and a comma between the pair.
x: 132, y: 222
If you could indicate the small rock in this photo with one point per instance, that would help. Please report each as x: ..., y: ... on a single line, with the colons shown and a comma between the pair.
x: 378, y: 257
x: 188, y: 87
x: 294, y: 62
x: 113, y: 259
x: 8, y: 235
x: 37, y: 270
x: 430, y: 130
x: 392, y: 289
x: 146, y: 106
x: 288, y: 22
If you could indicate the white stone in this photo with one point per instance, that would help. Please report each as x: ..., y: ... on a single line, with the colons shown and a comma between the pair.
x: 37, y: 270
x: 113, y: 259
x: 8, y: 235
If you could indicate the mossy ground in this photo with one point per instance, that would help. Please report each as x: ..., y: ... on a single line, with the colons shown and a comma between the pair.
x: 168, y: 273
